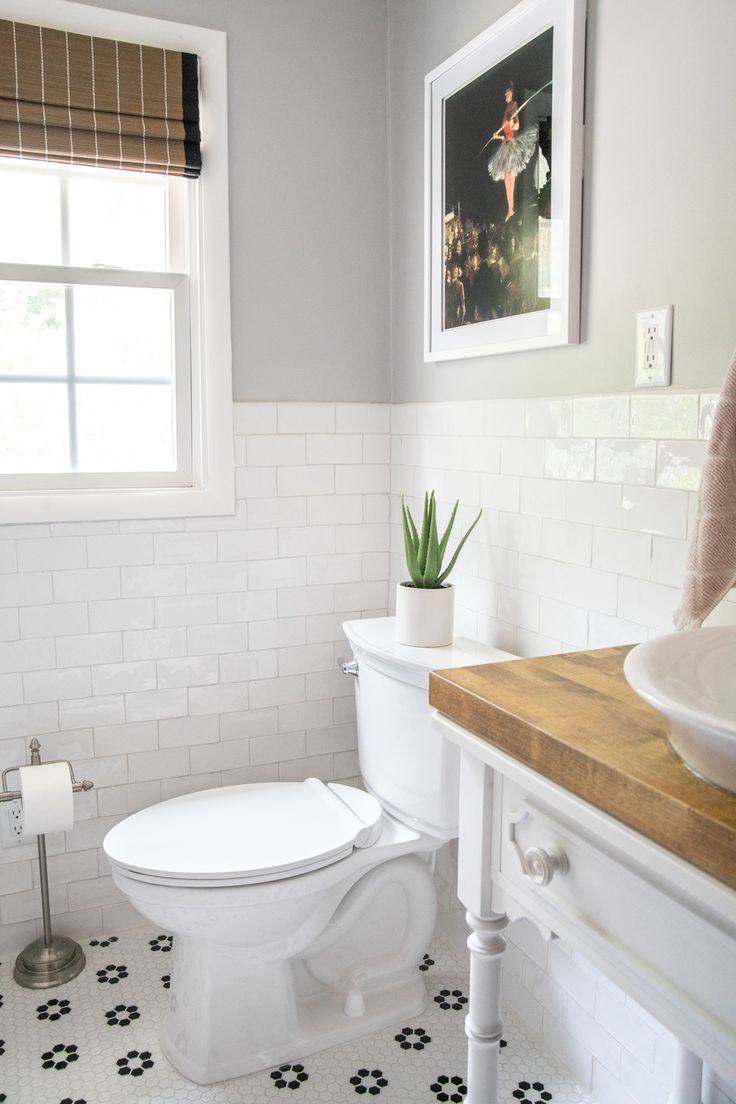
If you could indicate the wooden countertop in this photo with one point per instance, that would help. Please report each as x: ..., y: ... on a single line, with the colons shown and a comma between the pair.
x: 575, y: 720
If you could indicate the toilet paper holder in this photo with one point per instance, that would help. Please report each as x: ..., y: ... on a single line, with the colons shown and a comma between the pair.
x: 51, y: 959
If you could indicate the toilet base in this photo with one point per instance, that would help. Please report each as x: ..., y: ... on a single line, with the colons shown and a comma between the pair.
x: 323, y: 1024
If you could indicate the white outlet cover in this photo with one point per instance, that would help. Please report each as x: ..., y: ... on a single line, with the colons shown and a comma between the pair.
x: 654, y: 347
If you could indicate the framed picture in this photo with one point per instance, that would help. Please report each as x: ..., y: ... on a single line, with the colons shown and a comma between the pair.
x: 504, y: 154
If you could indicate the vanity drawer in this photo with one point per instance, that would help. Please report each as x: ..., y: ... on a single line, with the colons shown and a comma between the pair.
x: 591, y: 894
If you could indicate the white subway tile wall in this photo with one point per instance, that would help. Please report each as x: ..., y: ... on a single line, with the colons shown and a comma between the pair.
x: 163, y: 657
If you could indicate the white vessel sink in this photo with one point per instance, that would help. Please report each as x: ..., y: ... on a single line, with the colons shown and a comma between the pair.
x: 690, y: 677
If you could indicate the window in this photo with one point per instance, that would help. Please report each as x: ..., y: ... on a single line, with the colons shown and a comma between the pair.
x: 115, y: 377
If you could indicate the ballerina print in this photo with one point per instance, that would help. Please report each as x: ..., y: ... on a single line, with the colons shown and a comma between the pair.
x: 516, y: 149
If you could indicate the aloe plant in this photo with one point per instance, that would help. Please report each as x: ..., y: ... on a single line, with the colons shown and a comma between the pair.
x: 425, y: 551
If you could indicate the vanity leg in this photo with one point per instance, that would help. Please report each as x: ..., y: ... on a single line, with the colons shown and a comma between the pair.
x: 483, y: 1025
x: 687, y: 1085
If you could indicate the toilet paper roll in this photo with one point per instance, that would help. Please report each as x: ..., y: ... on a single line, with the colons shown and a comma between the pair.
x: 48, y: 803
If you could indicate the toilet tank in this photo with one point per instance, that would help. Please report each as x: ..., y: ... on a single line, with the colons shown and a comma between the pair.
x: 404, y: 762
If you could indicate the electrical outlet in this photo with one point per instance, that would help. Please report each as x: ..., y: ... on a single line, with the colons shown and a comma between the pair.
x: 653, y: 348
x: 12, y: 824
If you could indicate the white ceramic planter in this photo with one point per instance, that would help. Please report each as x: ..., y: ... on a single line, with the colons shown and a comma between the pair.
x: 425, y: 618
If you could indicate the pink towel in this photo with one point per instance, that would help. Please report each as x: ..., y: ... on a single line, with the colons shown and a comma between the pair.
x: 711, y: 561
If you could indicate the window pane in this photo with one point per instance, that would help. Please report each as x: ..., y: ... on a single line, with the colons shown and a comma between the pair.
x: 30, y: 221
x: 125, y: 427
x: 33, y: 428
x: 32, y: 330
x: 123, y: 332
x: 117, y: 221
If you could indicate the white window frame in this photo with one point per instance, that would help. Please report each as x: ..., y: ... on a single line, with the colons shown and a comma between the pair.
x: 210, y: 490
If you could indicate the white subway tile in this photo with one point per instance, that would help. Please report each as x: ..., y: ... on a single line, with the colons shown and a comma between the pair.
x: 238, y: 520
x: 213, y: 639
x: 375, y: 566
x: 368, y: 538
x: 548, y: 417
x: 594, y: 504
x: 669, y: 558
x: 680, y: 464
x: 259, y: 606
x: 252, y: 483
x: 655, y: 510
x: 543, y: 497
x: 32, y: 589
x: 187, y: 671
x: 611, y: 632
x: 90, y: 585
x: 641, y: 1083
x: 89, y: 712
x: 153, y: 582
x: 9, y: 625
x: 216, y: 577
x: 305, y: 658
x: 189, y: 731
x: 277, y: 691
x: 501, y: 492
x: 325, y: 628
x: 518, y: 608
x: 625, y: 1026
x: 331, y: 683
x: 359, y: 479
x: 665, y: 416
x: 571, y: 976
x: 331, y: 448
x: 220, y: 699
x: 361, y: 596
x: 248, y: 666
x: 46, y: 686
x: 503, y: 417
x: 363, y: 417
x: 299, y: 601
x: 518, y: 532
x: 16, y: 907
x: 276, y: 449
x: 274, y: 574
x: 254, y: 722
x: 564, y: 621
x: 301, y: 715
x: 481, y: 454
x: 255, y: 417
x: 376, y: 448
x: 8, y: 557
x: 572, y: 459
x: 708, y: 404
x: 343, y: 509
x: 568, y: 541
x: 318, y: 479
x: 306, y: 541
x: 222, y: 756
x: 626, y: 461
x: 125, y: 613
x: 567, y: 1050
x: 110, y: 770
x: 155, y: 705
x: 72, y: 744
x: 306, y: 417
x: 26, y: 655
x: 275, y: 513
x: 521, y: 456
x: 260, y: 544
x: 123, y: 800
x: 52, y: 553
x: 344, y: 568
x: 62, y: 619
x: 183, y: 548
x: 122, y: 739
x: 155, y: 643
x: 568, y: 582
x: 627, y: 553
x: 11, y: 689
x: 120, y: 678
x: 522, y: 1004
x: 649, y: 603
x: 314, y: 766
x: 531, y: 644
x: 28, y: 720
x: 450, y: 419
x: 119, y: 550
x: 327, y: 741
x: 601, y: 416
x: 145, y: 766
x: 190, y: 610
x: 278, y: 748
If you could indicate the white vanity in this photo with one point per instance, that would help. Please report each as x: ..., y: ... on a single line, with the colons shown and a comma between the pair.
x: 576, y: 814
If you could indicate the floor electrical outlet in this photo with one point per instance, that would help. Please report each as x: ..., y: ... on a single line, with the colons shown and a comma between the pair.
x: 12, y: 824
x: 653, y: 348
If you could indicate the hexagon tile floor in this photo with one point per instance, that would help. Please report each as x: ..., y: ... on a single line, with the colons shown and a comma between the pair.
x: 94, y: 1041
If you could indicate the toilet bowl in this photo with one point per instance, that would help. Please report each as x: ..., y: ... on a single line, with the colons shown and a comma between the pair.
x: 301, y: 910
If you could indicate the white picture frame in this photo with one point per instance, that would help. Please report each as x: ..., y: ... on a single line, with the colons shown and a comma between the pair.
x: 530, y: 293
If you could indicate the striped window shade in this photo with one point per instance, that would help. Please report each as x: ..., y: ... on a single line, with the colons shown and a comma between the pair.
x: 93, y: 101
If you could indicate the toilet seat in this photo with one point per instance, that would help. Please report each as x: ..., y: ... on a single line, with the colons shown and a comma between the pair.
x: 240, y: 835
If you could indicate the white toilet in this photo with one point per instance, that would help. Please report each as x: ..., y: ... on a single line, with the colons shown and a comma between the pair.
x: 301, y: 910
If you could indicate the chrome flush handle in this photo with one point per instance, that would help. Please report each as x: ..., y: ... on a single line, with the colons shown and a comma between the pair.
x: 348, y: 666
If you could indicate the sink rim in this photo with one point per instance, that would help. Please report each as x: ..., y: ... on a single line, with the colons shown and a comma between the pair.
x: 643, y: 678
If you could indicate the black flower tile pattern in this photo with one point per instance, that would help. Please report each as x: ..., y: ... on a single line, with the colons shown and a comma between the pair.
x: 2, y: 1047
x: 451, y: 998
x: 413, y: 1038
x: 426, y: 962
x: 534, y: 1093
x: 109, y: 1045
x: 60, y: 1056
x: 289, y: 1077
x: 122, y: 1015
x: 449, y: 1088
x: 53, y: 1009
x: 106, y: 942
x: 369, y: 1082
x: 161, y: 943
x: 135, y: 1063
x: 111, y: 975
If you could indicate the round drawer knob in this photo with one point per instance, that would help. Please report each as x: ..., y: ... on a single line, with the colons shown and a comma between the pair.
x: 540, y: 866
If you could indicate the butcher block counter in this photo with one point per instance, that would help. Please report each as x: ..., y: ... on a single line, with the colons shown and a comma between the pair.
x: 575, y: 720
x: 575, y: 814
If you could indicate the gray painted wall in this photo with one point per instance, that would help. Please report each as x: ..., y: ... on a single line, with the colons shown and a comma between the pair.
x: 308, y: 192
x: 659, y: 210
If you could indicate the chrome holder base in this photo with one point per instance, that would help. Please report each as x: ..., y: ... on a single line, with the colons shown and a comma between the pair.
x: 43, y: 965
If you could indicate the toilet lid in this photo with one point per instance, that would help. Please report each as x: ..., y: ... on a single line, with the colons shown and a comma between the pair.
x: 250, y: 833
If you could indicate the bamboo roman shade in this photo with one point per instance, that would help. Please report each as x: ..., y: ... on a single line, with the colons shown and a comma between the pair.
x: 93, y: 101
